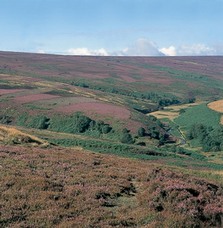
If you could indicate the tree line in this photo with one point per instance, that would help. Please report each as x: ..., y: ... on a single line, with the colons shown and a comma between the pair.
x: 211, y: 139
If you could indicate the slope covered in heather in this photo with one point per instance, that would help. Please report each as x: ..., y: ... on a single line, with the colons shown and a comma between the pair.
x: 110, y: 141
x: 71, y: 187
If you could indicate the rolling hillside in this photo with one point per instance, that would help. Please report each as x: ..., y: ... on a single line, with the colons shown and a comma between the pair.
x: 110, y: 141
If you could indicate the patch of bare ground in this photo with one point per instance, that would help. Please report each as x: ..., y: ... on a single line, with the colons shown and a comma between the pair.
x: 58, y: 187
x: 10, y: 135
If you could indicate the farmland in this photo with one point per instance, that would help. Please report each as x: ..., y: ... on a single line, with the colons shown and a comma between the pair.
x: 218, y: 107
x: 198, y: 114
x: 120, y: 136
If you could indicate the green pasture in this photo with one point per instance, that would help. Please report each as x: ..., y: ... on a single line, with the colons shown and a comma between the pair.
x: 199, y: 114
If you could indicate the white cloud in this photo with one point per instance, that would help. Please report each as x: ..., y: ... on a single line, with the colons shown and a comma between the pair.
x: 142, y: 47
x: 192, y: 50
x: 218, y: 48
x: 86, y: 51
x: 170, y: 51
x: 40, y: 51
x: 145, y: 47
x: 196, y: 50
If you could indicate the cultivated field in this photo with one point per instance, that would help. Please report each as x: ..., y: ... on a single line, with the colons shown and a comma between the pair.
x: 217, y: 106
x: 172, y: 112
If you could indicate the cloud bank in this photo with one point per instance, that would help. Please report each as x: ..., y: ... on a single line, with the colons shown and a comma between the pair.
x: 41, y: 51
x: 145, y: 47
x: 170, y: 51
x: 142, y: 47
x: 86, y: 51
x: 196, y: 49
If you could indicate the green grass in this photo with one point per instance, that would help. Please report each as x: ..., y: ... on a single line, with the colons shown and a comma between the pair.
x: 194, y: 161
x: 195, y: 164
x: 16, y: 86
x: 198, y: 114
x: 205, y: 86
x: 187, y: 75
x: 174, y: 127
x: 107, y: 147
x: 60, y: 92
x: 8, y: 71
x: 35, y: 107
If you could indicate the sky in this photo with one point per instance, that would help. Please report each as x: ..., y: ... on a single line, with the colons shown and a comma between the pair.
x: 112, y: 27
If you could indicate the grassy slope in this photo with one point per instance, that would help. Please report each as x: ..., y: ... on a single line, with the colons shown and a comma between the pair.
x: 181, y: 122
x: 198, y: 114
x: 11, y: 135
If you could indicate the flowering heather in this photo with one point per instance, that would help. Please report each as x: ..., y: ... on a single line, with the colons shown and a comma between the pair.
x: 73, y: 188
x: 34, y: 97
x: 197, y: 199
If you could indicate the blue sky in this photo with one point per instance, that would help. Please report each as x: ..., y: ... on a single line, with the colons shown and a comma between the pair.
x: 112, y: 27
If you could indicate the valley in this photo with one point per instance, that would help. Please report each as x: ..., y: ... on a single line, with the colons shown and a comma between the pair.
x: 110, y: 141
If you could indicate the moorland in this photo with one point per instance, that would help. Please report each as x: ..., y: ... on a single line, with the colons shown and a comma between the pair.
x: 111, y: 141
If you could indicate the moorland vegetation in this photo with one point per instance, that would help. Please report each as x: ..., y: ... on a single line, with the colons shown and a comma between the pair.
x: 133, y: 141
